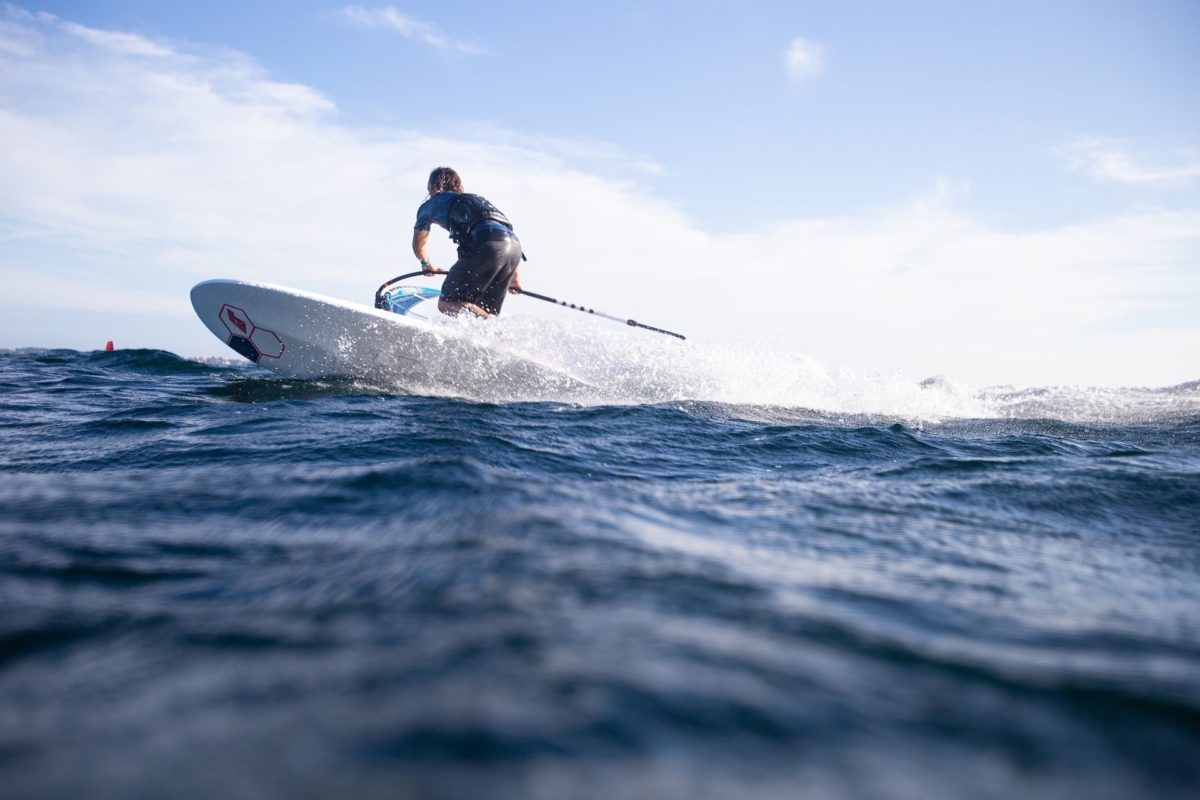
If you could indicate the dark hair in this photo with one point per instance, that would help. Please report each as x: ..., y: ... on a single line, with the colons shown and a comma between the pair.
x: 444, y: 179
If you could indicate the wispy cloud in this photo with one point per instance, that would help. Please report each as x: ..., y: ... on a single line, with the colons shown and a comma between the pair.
x: 17, y: 41
x: 18, y: 36
x: 805, y: 60
x: 117, y: 41
x: 595, y: 154
x: 1108, y: 161
x: 409, y: 27
x: 20, y: 14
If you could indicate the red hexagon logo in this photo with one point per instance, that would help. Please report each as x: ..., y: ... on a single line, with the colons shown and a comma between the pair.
x: 236, y: 321
x: 247, y: 338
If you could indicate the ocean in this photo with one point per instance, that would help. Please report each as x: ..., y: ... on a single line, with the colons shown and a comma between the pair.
x: 731, y: 575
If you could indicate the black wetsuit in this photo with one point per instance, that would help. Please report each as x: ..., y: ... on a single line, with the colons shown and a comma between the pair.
x: 488, y: 250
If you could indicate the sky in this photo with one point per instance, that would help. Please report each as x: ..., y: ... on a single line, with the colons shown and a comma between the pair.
x: 997, y: 192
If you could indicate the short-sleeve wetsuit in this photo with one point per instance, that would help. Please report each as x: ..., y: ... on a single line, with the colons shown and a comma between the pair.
x: 488, y: 253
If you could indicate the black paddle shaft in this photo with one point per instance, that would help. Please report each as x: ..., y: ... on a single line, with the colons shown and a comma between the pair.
x: 536, y: 296
x: 631, y: 322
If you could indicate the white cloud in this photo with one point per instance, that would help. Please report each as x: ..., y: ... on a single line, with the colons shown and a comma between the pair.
x: 1107, y: 161
x: 805, y: 60
x: 18, y: 40
x: 17, y: 36
x: 19, y: 14
x: 131, y: 179
x: 592, y: 152
x: 117, y: 42
x: 408, y: 27
x: 73, y: 296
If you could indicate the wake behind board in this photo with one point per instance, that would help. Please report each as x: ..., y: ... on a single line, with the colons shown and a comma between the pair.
x: 299, y: 334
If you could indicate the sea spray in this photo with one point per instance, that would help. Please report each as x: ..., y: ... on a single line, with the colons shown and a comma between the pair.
x: 605, y: 364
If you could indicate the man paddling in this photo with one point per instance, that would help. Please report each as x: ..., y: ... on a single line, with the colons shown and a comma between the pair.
x: 489, y: 253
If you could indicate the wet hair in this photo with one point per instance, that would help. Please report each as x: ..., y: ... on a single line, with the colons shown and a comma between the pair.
x: 444, y: 179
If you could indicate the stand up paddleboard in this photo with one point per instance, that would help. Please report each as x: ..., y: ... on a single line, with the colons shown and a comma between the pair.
x: 299, y: 334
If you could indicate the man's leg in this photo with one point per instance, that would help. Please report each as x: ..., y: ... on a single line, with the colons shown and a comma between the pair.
x: 454, y: 308
x: 507, y: 256
x: 466, y: 288
x: 462, y: 282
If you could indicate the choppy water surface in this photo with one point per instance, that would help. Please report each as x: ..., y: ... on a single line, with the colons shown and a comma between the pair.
x: 220, y: 583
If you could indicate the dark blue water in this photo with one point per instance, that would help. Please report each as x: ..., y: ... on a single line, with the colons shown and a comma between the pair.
x: 216, y: 583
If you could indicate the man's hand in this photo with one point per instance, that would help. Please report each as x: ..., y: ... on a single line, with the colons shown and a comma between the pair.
x: 515, y: 286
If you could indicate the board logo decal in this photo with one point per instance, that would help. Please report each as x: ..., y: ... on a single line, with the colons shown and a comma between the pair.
x: 232, y: 317
x: 248, y: 339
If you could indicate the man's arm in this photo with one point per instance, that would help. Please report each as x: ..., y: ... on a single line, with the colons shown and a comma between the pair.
x: 420, y: 240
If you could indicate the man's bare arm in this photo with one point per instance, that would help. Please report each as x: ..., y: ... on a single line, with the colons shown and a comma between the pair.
x: 419, y: 243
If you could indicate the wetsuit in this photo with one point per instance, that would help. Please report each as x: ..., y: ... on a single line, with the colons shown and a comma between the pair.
x: 488, y: 250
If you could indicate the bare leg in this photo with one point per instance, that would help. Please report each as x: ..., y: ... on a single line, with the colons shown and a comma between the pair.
x: 454, y: 309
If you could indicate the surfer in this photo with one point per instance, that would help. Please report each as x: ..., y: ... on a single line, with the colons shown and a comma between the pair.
x: 489, y: 253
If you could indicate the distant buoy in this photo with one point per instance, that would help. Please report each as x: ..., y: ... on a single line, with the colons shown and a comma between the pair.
x: 108, y: 347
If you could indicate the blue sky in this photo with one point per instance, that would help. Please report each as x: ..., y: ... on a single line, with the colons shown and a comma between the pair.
x: 985, y: 92
x: 1006, y: 192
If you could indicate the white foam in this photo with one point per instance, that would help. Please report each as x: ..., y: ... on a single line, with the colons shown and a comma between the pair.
x: 622, y: 365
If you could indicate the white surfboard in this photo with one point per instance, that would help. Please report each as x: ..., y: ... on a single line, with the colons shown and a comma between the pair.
x: 299, y: 334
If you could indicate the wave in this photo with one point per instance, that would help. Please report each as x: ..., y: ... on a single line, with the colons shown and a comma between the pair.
x: 605, y: 365
x: 141, y: 360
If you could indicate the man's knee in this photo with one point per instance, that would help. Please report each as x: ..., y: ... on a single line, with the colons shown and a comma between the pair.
x: 452, y: 308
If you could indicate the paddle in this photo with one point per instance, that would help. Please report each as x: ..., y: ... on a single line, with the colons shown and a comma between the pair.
x: 536, y: 296
x: 565, y: 304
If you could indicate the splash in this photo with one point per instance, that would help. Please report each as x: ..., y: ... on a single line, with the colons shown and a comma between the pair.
x: 1084, y: 404
x: 605, y: 364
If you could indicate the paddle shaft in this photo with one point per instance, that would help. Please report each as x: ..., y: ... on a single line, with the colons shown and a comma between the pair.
x: 631, y: 322
x: 536, y: 296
